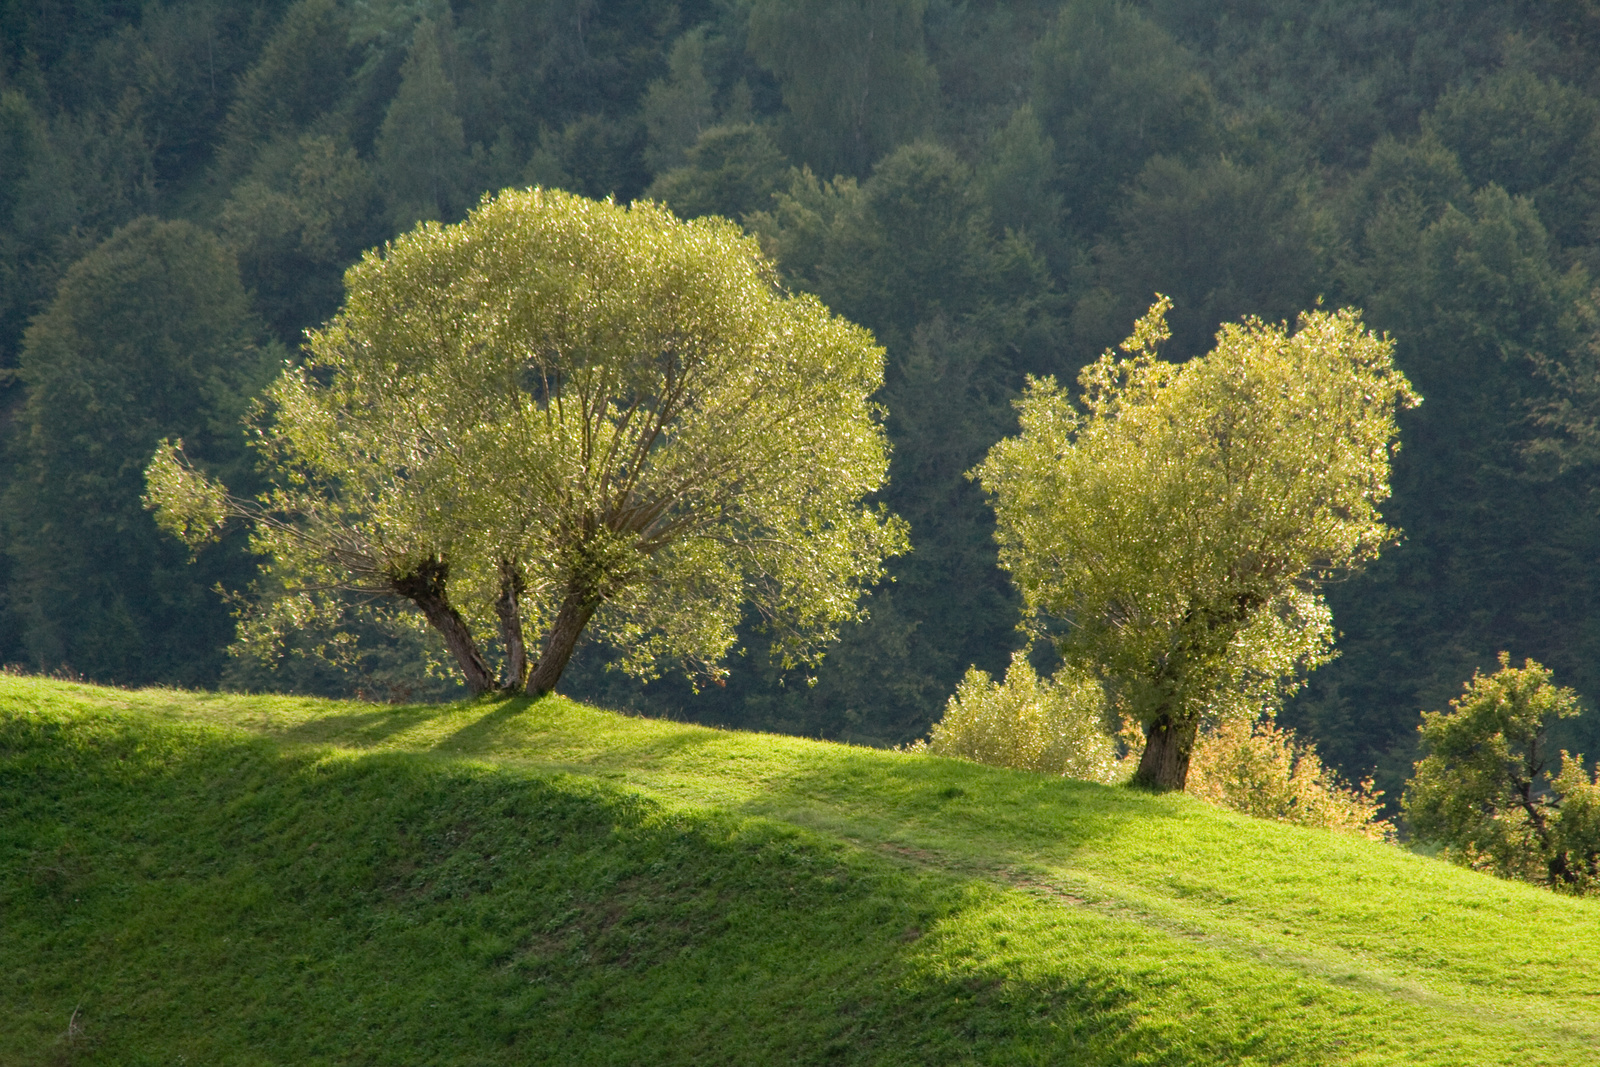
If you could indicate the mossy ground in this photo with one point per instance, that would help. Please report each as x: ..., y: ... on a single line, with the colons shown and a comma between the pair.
x: 216, y: 878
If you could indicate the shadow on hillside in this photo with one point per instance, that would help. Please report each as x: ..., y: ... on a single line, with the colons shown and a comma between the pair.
x: 774, y: 947
x: 487, y: 732
x: 362, y: 729
x: 504, y: 731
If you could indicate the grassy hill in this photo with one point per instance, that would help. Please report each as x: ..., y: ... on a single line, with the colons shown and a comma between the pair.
x: 223, y: 879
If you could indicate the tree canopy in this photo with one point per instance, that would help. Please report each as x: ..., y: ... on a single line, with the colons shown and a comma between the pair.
x: 1173, y: 533
x: 563, y: 414
x: 1494, y: 793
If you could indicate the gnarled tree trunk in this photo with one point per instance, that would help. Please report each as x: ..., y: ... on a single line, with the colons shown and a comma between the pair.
x: 577, y: 608
x: 510, y: 615
x: 1169, y: 742
x: 424, y: 585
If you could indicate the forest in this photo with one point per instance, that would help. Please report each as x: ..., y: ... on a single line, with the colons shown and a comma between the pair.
x: 995, y: 189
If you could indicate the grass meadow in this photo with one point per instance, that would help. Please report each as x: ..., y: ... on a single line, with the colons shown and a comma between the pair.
x: 226, y: 879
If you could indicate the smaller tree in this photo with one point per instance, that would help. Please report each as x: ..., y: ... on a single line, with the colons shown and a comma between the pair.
x: 1174, y: 533
x: 1485, y: 789
x: 571, y: 416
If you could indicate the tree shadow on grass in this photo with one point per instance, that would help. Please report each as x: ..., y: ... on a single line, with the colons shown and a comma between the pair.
x: 511, y: 729
x: 362, y: 729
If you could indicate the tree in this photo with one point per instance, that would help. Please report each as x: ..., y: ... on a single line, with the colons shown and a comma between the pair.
x: 1265, y: 771
x: 1112, y: 88
x: 567, y: 414
x: 1474, y: 292
x: 676, y: 110
x: 730, y: 171
x: 295, y: 232
x: 1533, y: 137
x: 150, y: 334
x: 296, y: 79
x: 855, y: 76
x: 1173, y: 534
x: 421, y: 147
x: 1485, y: 789
x: 1223, y: 239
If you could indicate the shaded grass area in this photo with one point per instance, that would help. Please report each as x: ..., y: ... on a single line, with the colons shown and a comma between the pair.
x: 228, y: 879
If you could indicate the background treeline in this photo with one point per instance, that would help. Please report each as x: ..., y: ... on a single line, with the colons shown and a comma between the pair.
x: 995, y: 188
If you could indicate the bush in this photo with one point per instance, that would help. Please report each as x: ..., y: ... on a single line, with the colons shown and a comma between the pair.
x: 1262, y: 770
x: 1054, y: 726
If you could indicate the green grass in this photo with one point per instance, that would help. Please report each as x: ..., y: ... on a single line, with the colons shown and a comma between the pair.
x: 222, y: 879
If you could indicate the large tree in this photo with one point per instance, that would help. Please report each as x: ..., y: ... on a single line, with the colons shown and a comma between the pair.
x: 1173, y: 533
x: 569, y: 415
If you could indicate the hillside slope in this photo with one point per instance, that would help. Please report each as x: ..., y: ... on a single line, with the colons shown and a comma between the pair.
x: 233, y: 879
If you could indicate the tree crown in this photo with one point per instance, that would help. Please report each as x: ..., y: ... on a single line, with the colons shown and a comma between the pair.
x: 607, y: 410
x: 1173, y: 530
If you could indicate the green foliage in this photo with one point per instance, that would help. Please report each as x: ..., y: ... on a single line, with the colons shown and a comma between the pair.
x: 1179, y: 527
x: 679, y: 108
x: 917, y: 245
x: 561, y: 410
x: 1018, y: 181
x: 149, y: 335
x: 913, y: 253
x: 295, y: 230
x: 1571, y: 416
x: 1049, y: 726
x: 69, y: 181
x: 1474, y: 294
x: 295, y: 80
x: 731, y: 171
x: 1486, y: 791
x: 1533, y: 137
x: 1264, y: 770
x: 591, y: 156
x: 855, y: 77
x: 1112, y: 89
x: 1224, y: 240
x: 1245, y: 156
x: 421, y: 148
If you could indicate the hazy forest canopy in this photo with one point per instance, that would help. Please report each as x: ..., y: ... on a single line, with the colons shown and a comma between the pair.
x: 994, y: 188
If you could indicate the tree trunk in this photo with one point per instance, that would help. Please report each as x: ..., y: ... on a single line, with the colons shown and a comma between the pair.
x: 576, y: 610
x: 510, y: 615
x: 1169, y: 742
x: 424, y: 586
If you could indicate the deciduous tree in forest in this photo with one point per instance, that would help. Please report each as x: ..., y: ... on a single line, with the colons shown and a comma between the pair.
x: 570, y: 415
x: 1174, y: 533
x: 1112, y: 88
x: 421, y: 149
x: 298, y: 77
x: 149, y: 335
x: 855, y: 76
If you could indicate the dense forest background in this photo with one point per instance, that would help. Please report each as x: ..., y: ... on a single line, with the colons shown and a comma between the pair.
x: 995, y: 188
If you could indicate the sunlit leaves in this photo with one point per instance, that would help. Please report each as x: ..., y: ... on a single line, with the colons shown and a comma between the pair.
x: 1172, y: 532
x: 621, y: 408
